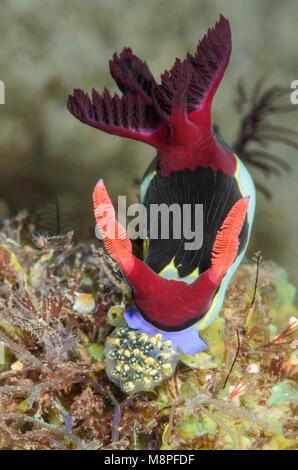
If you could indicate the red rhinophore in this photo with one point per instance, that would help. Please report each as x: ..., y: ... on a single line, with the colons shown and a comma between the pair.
x: 114, y: 235
x: 226, y: 244
x: 173, y: 116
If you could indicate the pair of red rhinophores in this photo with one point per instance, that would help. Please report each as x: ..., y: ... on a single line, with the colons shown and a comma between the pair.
x: 175, y: 118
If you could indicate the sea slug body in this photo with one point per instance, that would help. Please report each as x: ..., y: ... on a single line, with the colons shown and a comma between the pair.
x: 177, y: 291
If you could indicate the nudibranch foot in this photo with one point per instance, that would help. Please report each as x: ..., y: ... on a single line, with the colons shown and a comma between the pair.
x: 137, y: 361
x: 187, y: 340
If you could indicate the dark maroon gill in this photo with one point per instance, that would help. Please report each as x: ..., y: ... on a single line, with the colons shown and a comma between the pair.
x: 173, y: 116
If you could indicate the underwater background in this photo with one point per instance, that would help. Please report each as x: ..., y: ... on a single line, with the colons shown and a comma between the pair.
x: 61, y: 296
x: 49, y: 48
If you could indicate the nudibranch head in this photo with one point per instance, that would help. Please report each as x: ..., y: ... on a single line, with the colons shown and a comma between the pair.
x: 169, y: 305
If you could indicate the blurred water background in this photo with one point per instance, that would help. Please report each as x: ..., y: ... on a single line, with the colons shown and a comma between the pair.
x: 50, y: 47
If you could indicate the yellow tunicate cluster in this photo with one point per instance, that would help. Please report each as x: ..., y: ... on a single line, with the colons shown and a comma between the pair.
x: 137, y: 361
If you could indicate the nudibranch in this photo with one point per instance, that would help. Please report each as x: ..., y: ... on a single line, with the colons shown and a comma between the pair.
x: 177, y: 291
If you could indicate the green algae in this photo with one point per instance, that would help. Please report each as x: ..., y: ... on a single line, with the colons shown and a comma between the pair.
x: 55, y: 363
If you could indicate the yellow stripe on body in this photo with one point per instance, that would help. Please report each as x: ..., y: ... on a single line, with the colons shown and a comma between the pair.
x: 170, y: 272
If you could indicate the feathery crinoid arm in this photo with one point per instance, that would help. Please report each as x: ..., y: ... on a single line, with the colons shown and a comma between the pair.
x: 169, y: 304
